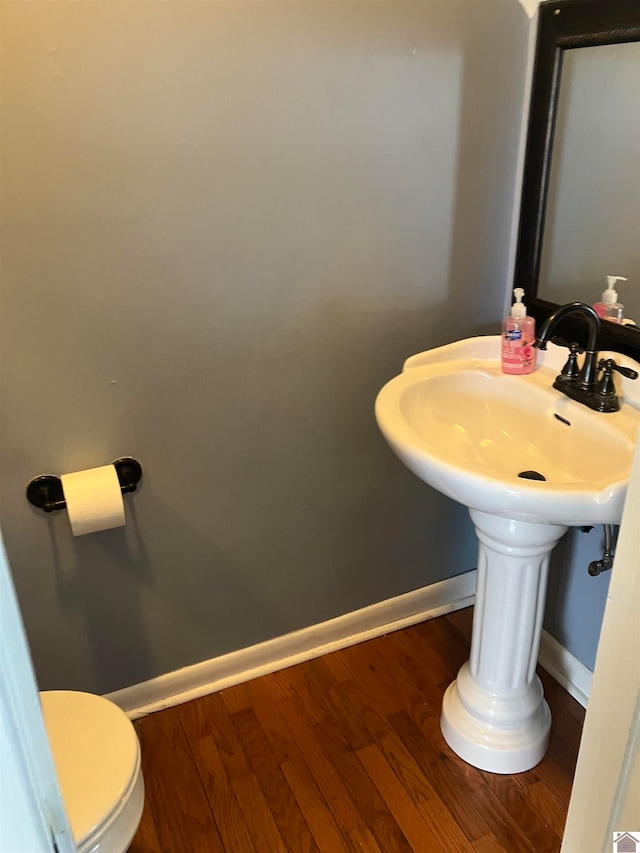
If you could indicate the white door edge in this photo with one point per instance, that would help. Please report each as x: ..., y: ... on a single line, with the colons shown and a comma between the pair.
x: 32, y: 815
x: 606, y: 788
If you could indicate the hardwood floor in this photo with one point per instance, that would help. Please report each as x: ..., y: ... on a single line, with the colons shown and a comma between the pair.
x: 344, y: 753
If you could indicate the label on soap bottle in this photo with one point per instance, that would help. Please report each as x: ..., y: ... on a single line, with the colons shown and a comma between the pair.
x: 518, y: 355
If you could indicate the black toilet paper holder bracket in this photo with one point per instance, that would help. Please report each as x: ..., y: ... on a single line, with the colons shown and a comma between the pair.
x: 46, y: 492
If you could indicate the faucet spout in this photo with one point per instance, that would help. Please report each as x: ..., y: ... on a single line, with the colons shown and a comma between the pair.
x: 587, y: 378
x: 553, y: 319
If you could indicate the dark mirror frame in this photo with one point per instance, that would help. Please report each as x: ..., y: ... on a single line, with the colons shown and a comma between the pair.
x: 563, y: 24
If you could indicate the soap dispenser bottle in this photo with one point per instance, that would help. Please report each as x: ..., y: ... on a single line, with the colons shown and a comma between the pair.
x: 610, y: 308
x: 518, y: 336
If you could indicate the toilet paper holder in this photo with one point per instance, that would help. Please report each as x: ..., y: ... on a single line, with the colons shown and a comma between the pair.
x: 46, y: 492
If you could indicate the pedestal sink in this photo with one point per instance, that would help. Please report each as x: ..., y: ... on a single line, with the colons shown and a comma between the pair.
x: 528, y: 462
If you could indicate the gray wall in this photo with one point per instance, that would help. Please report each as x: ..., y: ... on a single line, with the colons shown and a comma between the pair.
x: 225, y: 225
x: 575, y: 600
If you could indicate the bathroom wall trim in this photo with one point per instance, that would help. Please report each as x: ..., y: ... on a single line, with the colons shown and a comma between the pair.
x: 567, y: 670
x: 210, y: 676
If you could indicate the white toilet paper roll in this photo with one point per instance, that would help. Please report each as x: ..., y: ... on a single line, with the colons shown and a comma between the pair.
x: 94, y: 500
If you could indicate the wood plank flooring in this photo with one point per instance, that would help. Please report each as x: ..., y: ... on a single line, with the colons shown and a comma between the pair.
x: 344, y: 753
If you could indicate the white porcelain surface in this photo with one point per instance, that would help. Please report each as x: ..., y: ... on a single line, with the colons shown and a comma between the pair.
x: 116, y: 834
x: 494, y: 715
x: 97, y: 759
x: 468, y: 430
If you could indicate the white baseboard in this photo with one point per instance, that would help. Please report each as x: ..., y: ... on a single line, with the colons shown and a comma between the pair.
x: 209, y: 676
x: 200, y: 679
x: 567, y: 670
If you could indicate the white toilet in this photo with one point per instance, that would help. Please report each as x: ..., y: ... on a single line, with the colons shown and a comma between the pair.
x: 97, y: 758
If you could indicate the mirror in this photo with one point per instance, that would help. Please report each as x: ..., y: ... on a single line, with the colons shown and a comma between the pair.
x: 580, y: 215
x: 592, y: 225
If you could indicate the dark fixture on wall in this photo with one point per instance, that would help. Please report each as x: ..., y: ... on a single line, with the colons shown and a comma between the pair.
x: 564, y: 24
x: 46, y: 491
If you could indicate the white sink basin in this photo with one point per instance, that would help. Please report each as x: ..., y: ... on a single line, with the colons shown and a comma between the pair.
x: 469, y: 430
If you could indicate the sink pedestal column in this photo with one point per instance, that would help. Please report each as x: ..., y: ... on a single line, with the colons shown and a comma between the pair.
x: 494, y: 715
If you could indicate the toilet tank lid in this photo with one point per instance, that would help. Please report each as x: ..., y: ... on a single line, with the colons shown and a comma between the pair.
x: 96, y: 755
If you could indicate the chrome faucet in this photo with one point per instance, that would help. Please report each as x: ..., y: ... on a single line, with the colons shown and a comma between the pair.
x: 582, y: 384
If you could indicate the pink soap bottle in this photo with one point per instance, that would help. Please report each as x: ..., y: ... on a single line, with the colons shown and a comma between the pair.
x: 518, y: 336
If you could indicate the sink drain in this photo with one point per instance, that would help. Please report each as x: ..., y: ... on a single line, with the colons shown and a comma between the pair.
x: 531, y: 475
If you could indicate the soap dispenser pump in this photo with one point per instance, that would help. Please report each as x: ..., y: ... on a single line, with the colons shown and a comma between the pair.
x: 610, y: 308
x: 518, y: 336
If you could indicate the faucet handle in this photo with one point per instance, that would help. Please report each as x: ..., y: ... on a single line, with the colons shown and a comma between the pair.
x: 609, y: 365
x: 570, y: 370
x: 605, y: 390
